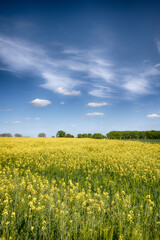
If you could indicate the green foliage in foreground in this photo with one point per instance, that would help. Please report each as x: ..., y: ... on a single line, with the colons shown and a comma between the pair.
x: 79, y: 189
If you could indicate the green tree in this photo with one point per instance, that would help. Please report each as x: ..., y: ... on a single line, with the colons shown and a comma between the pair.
x: 5, y: 135
x: 79, y: 135
x: 84, y: 135
x: 60, y: 134
x: 41, y: 135
x: 17, y: 135
x: 68, y: 135
x: 89, y: 135
x: 97, y: 136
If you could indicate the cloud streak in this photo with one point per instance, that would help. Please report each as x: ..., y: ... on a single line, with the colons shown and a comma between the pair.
x: 76, y: 69
x: 158, y: 45
x: 63, y: 91
x: 20, y: 56
x: 12, y: 123
x: 137, y: 85
x: 5, y: 110
x: 94, y: 114
x: 28, y: 118
x: 154, y: 115
x: 94, y: 104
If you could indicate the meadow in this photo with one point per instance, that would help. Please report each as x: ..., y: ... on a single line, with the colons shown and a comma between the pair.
x: 81, y: 189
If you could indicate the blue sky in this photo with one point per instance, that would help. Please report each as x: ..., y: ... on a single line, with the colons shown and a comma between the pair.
x: 79, y: 66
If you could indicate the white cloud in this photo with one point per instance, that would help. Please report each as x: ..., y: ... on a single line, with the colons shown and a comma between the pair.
x: 94, y: 104
x: 61, y: 102
x: 101, y: 72
x: 136, y: 85
x: 18, y: 55
x: 94, y: 114
x: 88, y: 62
x: 58, y: 74
x: 154, y: 115
x: 56, y: 81
x: 77, y: 67
x: 40, y: 102
x: 13, y: 123
x: 63, y: 91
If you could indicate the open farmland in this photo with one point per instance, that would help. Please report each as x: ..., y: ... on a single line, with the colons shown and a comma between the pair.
x: 79, y: 189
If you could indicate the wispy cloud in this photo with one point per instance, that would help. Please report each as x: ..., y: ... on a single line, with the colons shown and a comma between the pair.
x: 40, y: 102
x: 63, y: 91
x: 137, y: 85
x: 62, y: 103
x: 77, y: 68
x: 157, y: 65
x: 158, y: 45
x: 154, y: 115
x: 36, y: 119
x: 95, y: 104
x: 59, y: 83
x: 5, y: 110
x: 94, y: 114
x: 18, y: 55
x: 12, y: 123
x: 28, y: 118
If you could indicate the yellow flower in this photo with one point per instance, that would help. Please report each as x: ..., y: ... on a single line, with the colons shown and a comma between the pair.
x: 13, y: 214
x: 43, y: 228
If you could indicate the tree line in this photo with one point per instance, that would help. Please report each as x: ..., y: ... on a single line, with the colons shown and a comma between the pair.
x: 10, y: 135
x: 62, y: 134
x: 134, y: 135
x: 111, y: 135
x: 90, y: 135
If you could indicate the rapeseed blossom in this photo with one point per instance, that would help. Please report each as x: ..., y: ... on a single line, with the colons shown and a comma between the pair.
x: 79, y: 189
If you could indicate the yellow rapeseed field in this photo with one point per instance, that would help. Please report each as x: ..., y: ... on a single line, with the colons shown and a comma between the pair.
x: 79, y: 189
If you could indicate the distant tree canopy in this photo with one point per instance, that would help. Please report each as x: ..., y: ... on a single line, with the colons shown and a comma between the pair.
x: 79, y: 135
x: 89, y: 135
x: 5, y: 135
x: 18, y: 135
x: 41, y: 135
x: 98, y: 136
x: 68, y: 135
x: 134, y: 135
x: 60, y: 134
x: 83, y: 135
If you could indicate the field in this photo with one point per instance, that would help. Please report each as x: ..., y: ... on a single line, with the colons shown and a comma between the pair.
x: 79, y: 189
